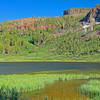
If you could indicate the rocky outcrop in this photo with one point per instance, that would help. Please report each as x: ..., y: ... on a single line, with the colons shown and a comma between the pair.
x: 30, y: 24
x: 76, y: 11
x: 93, y: 14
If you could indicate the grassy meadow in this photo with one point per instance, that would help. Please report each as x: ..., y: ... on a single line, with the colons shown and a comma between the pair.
x: 44, y: 55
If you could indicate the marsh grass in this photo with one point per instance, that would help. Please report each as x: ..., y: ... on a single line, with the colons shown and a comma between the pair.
x: 91, y: 89
x: 65, y: 84
x: 6, y: 94
x: 26, y: 83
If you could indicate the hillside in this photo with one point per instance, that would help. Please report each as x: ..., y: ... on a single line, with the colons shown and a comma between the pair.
x: 50, y: 39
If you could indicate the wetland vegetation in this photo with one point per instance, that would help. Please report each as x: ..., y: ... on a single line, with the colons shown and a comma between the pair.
x: 54, y: 85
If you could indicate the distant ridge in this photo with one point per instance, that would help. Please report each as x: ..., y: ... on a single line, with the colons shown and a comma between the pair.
x: 76, y: 11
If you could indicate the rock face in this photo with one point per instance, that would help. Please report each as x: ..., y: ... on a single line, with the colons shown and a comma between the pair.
x: 76, y: 11
x: 93, y: 14
x: 30, y: 24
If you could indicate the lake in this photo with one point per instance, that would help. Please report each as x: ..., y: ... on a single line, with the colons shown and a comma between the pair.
x: 26, y: 67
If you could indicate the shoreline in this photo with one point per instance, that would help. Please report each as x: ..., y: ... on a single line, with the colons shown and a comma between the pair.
x: 54, y: 58
x: 61, y: 61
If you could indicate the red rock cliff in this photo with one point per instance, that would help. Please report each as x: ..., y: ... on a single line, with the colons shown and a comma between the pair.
x: 74, y: 11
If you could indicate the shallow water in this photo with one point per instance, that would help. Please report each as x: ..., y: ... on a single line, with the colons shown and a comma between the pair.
x: 61, y: 90
x: 23, y: 67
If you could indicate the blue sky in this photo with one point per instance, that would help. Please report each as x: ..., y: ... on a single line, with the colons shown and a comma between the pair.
x: 15, y: 9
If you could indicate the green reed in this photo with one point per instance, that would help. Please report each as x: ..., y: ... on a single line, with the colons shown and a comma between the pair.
x: 30, y: 82
x: 91, y: 89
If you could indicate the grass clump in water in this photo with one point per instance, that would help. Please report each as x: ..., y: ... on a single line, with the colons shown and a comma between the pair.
x: 91, y: 89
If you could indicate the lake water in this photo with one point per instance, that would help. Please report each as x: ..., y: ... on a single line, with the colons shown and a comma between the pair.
x: 23, y: 67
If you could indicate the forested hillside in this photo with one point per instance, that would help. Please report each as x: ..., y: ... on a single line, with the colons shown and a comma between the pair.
x: 58, y: 36
x: 26, y: 34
